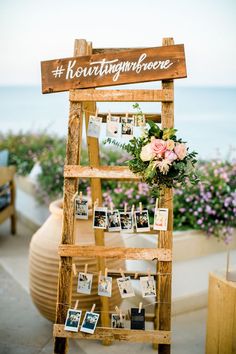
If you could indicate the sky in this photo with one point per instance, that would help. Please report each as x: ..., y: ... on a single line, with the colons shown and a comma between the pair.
x: 32, y: 31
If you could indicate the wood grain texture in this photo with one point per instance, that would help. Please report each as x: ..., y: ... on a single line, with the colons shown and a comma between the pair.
x: 221, y: 322
x: 96, y: 192
x: 165, y: 239
x: 121, y: 95
x: 140, y: 65
x: 70, y: 187
x: 114, y: 50
x: 127, y: 335
x: 104, y: 172
x: 161, y: 254
x: 7, y: 174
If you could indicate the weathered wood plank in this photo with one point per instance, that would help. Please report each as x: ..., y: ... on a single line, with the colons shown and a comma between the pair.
x: 104, y: 172
x: 7, y: 174
x: 70, y: 187
x: 111, y: 69
x: 127, y: 335
x: 114, y: 50
x: 165, y: 240
x: 162, y: 254
x: 121, y: 95
x: 96, y: 191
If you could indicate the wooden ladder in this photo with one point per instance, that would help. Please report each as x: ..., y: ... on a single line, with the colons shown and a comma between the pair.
x: 84, y: 100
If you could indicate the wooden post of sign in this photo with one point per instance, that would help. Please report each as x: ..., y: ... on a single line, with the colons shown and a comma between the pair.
x: 96, y: 189
x: 70, y: 187
x: 165, y: 239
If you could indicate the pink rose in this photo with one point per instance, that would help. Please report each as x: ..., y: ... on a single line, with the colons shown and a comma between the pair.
x: 170, y: 155
x: 158, y: 146
x: 181, y: 151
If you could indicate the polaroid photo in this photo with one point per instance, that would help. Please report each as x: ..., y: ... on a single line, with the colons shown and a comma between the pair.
x: 73, y: 320
x: 100, y: 218
x: 142, y: 221
x: 117, y: 321
x: 90, y: 322
x: 85, y: 281
x: 104, y: 286
x: 148, y: 286
x: 140, y: 120
x: 126, y: 221
x: 81, y: 208
x: 125, y: 287
x: 160, y: 219
x: 113, y: 128
x: 94, y: 126
x: 113, y: 220
x: 127, y: 127
x: 137, y: 319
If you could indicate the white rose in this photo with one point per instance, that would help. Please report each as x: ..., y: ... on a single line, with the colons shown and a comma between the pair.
x: 147, y: 153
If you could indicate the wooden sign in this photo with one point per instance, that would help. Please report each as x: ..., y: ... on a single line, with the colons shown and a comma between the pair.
x: 114, y: 68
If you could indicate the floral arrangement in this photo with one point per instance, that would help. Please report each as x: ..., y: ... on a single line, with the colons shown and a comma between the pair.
x: 160, y: 158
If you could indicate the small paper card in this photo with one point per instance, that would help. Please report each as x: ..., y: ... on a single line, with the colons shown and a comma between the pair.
x: 126, y: 221
x: 125, y: 287
x: 81, y: 208
x: 148, y: 286
x: 160, y: 219
x: 73, y: 320
x: 137, y: 319
x: 90, y: 322
x: 85, y: 281
x: 127, y: 127
x: 104, y: 286
x: 100, y: 218
x: 113, y: 219
x: 117, y: 321
x: 113, y: 128
x: 142, y: 221
x: 94, y: 126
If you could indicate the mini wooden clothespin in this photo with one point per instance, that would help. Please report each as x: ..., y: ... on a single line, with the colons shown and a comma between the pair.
x: 93, y: 308
x: 125, y: 207
x: 140, y: 307
x: 109, y: 114
x: 111, y: 207
x: 136, y: 275
x: 74, y: 196
x: 99, y: 275
x: 129, y: 315
x: 141, y: 207
x: 157, y: 203
x: 74, y: 269
x: 106, y: 270
x: 133, y: 207
x: 80, y: 196
x: 85, y: 268
x: 96, y: 112
x: 119, y: 312
x: 122, y: 273
x: 96, y: 203
x: 126, y: 115
x: 149, y: 273
x: 76, y: 304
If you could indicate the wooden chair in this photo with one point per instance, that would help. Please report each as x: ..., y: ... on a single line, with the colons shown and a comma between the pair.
x: 7, y: 196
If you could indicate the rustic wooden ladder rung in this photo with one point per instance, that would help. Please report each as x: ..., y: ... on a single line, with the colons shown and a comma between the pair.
x: 103, y: 172
x: 111, y: 334
x: 83, y: 103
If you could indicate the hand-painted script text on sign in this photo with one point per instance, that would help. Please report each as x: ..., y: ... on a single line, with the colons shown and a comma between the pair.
x: 114, y: 68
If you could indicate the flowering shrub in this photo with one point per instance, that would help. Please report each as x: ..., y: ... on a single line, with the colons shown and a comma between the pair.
x: 211, y: 204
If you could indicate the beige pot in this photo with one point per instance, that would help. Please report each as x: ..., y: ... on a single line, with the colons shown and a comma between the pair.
x: 44, y: 262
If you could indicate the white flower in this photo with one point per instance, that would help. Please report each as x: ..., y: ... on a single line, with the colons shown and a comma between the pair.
x: 163, y: 166
x: 147, y: 153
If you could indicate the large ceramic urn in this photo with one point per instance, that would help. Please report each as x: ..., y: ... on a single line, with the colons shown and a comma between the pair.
x: 44, y: 263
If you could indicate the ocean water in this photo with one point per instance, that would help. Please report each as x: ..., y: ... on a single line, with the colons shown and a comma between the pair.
x: 204, y: 116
